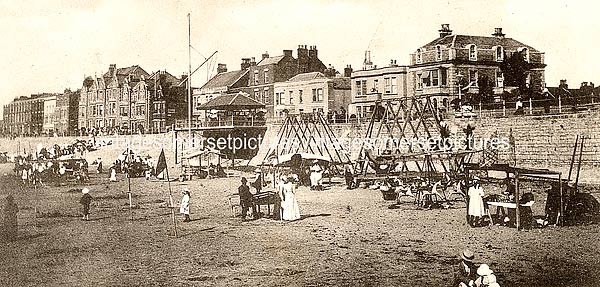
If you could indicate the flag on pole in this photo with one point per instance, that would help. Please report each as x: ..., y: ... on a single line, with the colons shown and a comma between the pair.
x: 161, y: 165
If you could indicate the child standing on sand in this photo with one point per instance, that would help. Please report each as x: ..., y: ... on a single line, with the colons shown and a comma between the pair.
x: 85, y: 201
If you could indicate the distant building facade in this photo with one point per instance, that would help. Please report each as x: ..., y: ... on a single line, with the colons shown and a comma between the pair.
x: 373, y: 84
x: 67, y: 105
x: 223, y: 83
x: 24, y: 115
x: 438, y: 68
x: 310, y: 93
x: 49, y: 115
x: 271, y: 70
x: 118, y: 101
x: 169, y: 101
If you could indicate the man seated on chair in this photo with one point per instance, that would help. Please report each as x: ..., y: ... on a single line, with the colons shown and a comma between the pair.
x: 246, y: 200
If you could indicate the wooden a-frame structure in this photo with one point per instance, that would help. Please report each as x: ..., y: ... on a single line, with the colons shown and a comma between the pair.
x: 405, y: 125
x: 308, y: 134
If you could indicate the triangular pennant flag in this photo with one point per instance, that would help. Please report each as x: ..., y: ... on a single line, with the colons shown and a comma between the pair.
x: 161, y: 165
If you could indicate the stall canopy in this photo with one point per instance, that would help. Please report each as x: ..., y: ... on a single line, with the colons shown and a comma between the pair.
x: 234, y: 102
x: 286, y: 159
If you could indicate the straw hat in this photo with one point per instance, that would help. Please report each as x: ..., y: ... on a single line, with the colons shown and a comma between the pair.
x: 484, y: 270
x: 489, y: 279
x: 467, y: 255
x: 85, y: 191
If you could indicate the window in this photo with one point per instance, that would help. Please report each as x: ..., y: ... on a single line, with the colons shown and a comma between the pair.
x: 419, y: 82
x: 265, y: 95
x: 278, y: 98
x: 375, y: 88
x: 438, y: 50
x: 434, y: 78
x: 444, y: 73
x: 499, y: 79
x: 426, y: 79
x: 256, y: 95
x: 364, y: 87
x: 256, y: 77
x: 473, y: 77
x: 314, y: 95
x: 94, y: 110
x: 266, y: 74
x: 525, y: 53
x: 393, y: 89
x: 300, y: 96
x: 499, y: 54
x: 472, y: 52
x: 358, y: 89
x: 124, y: 111
x: 319, y: 95
x: 386, y: 85
x: 291, y: 97
x: 419, y: 56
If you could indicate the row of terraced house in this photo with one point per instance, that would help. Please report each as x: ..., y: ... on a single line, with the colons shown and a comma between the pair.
x: 130, y: 100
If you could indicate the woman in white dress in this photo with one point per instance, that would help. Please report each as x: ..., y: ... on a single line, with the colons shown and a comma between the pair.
x: 289, y: 204
x: 113, y: 174
x: 476, y: 206
x: 316, y: 175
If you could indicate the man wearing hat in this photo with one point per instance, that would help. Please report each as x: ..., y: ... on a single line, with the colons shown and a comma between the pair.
x: 246, y: 199
x: 464, y: 273
x: 86, y: 200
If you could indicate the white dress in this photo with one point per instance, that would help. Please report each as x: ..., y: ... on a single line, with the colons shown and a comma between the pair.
x: 476, y: 207
x: 185, y: 205
x: 113, y: 174
x: 291, y: 211
x: 316, y: 175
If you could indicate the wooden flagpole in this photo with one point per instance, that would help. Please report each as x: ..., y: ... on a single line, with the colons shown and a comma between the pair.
x: 170, y: 195
x: 129, y: 183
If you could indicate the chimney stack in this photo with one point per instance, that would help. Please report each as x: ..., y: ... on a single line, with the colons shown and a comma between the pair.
x: 265, y: 55
x: 221, y: 68
x: 445, y: 31
x: 348, y: 71
x: 252, y: 61
x: 112, y: 69
x: 287, y: 53
x: 367, y: 64
x: 245, y: 63
x: 312, y: 53
x: 498, y: 33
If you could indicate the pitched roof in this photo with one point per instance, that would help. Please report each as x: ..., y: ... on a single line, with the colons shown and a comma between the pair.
x: 237, y: 101
x: 341, y: 83
x: 485, y: 42
x: 306, y: 77
x: 270, y: 60
x: 224, y: 79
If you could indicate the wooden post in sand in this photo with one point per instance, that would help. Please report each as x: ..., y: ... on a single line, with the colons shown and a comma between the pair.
x: 129, y: 185
x: 171, y: 202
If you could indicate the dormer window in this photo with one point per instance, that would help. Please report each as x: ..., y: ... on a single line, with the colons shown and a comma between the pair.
x: 419, y: 56
x: 438, y: 50
x: 472, y: 52
x: 499, y: 54
x: 525, y: 53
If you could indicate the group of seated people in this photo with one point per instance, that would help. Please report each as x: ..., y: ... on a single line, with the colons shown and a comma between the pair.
x: 426, y: 193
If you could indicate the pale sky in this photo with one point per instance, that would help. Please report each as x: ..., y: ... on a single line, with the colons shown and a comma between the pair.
x: 48, y: 46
